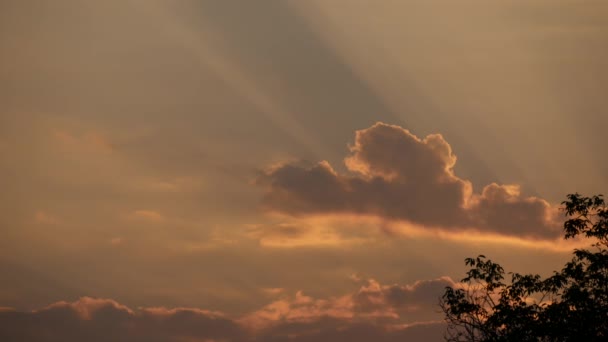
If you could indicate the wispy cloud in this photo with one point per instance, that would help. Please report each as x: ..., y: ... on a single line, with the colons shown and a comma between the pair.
x: 148, y: 215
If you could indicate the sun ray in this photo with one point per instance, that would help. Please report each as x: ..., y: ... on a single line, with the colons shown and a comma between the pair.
x: 215, y: 59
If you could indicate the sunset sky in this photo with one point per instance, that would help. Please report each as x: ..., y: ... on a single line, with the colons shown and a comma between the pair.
x: 285, y: 170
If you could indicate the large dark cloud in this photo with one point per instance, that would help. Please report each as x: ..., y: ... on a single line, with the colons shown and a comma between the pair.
x: 395, y: 175
x: 375, y: 312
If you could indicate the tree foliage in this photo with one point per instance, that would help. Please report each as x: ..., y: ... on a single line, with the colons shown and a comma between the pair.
x: 570, y: 305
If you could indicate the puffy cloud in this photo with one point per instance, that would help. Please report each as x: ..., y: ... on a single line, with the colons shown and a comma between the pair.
x: 401, y: 300
x: 374, y: 312
x: 299, y: 309
x: 502, y: 208
x: 395, y: 175
x: 373, y: 302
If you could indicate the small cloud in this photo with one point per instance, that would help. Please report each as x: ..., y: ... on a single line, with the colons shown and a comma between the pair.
x: 355, y: 278
x: 87, y: 307
x: 148, y: 215
x: 42, y: 217
x: 97, y: 141
x: 178, y: 184
x: 272, y: 291
x: 117, y: 241
x: 311, y: 233
x: 90, y: 140
x: 64, y: 137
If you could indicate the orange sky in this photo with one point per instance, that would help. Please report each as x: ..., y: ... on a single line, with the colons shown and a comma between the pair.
x: 285, y: 170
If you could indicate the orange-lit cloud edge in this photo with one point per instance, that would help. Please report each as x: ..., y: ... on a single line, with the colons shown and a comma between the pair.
x: 389, y: 312
x: 353, y: 230
x: 402, y: 186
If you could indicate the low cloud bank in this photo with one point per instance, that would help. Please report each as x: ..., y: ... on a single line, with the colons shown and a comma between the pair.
x: 374, y: 312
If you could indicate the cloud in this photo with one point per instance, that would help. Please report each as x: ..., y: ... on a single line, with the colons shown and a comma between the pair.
x: 401, y: 300
x: 394, y: 175
x: 172, y: 185
x: 299, y: 309
x: 96, y: 320
x: 117, y: 241
x: 91, y: 141
x: 148, y: 215
x: 314, y: 233
x: 43, y: 217
x: 374, y: 312
x: 272, y: 291
x: 373, y: 302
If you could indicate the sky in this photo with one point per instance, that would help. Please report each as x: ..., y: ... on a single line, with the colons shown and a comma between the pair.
x: 285, y: 170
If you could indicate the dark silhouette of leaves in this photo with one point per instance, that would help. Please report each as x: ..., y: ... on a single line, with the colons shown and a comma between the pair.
x: 570, y: 305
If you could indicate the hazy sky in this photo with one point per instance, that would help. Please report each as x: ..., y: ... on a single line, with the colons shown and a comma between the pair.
x: 285, y: 170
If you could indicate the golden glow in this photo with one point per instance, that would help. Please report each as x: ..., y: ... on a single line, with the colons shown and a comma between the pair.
x: 135, y: 140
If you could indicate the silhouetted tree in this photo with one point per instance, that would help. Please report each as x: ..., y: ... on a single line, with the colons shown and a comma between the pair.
x: 570, y: 305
